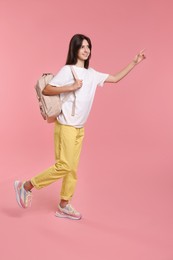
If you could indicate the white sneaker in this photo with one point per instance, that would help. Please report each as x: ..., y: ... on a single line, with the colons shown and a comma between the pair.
x: 68, y: 212
x: 23, y: 197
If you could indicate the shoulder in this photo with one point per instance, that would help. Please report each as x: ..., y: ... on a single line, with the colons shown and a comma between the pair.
x: 91, y: 71
x: 63, y: 71
x: 65, y: 68
x: 94, y: 72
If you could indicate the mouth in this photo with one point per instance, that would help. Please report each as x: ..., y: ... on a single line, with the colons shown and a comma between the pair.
x: 86, y: 55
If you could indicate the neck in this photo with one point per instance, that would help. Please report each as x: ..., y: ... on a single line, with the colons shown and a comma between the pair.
x: 80, y: 63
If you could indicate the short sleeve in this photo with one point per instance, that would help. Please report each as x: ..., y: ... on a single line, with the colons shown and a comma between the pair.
x: 63, y: 77
x: 100, y: 78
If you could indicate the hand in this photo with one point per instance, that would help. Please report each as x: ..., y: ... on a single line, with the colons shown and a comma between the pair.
x: 139, y: 57
x: 77, y: 84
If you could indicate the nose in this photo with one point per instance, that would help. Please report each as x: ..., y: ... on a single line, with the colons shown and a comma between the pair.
x: 86, y: 49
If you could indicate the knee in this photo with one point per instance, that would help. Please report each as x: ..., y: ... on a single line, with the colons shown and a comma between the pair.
x: 65, y: 167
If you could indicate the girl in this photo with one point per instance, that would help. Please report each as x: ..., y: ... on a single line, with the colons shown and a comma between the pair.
x: 69, y: 128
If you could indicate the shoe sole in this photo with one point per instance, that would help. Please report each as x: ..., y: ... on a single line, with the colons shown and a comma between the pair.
x: 16, y: 183
x: 63, y: 215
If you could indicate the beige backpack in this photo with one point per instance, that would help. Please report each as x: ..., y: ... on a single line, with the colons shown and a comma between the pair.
x: 50, y: 106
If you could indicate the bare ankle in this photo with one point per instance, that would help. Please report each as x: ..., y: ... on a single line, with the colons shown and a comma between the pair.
x: 28, y: 186
x: 63, y: 203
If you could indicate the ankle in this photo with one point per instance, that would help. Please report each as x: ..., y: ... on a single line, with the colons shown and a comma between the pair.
x: 28, y: 186
x: 63, y: 203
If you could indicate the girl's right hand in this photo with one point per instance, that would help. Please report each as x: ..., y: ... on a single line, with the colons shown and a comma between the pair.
x: 77, y: 84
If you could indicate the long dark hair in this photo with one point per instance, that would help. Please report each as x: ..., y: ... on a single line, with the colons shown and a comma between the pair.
x: 74, y: 46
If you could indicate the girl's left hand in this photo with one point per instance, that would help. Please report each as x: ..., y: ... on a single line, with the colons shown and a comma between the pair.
x: 139, y: 57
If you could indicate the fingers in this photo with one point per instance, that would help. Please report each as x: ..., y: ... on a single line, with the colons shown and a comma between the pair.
x: 79, y: 80
x: 78, y: 84
x: 142, y: 50
x: 141, y: 54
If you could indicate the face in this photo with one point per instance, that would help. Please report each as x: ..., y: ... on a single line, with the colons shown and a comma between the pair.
x: 84, y: 51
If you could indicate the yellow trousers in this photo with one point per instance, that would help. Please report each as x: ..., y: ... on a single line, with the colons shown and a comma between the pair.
x: 68, y: 144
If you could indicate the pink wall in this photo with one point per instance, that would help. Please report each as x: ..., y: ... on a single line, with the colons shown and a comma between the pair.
x: 35, y: 37
x: 129, y: 142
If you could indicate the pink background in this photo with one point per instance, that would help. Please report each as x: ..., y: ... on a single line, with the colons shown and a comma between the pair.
x: 125, y: 175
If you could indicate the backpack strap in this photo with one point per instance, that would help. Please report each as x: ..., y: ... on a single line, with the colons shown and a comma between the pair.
x: 74, y: 103
x: 74, y: 72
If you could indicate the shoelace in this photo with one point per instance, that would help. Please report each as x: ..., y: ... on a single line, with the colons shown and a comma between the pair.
x: 28, y: 198
x: 71, y: 209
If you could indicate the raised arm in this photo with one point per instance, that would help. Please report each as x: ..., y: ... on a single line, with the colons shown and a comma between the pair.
x: 120, y: 75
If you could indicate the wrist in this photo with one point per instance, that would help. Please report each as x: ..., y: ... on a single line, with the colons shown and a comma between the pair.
x: 134, y: 62
x: 71, y: 87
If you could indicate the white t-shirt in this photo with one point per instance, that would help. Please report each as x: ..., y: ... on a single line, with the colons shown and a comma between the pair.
x: 84, y: 95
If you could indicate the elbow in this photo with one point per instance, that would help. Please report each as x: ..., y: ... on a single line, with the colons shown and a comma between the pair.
x: 116, y: 80
x: 112, y: 79
x: 45, y: 91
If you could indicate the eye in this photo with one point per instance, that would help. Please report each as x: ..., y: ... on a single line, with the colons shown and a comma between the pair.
x: 83, y: 46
